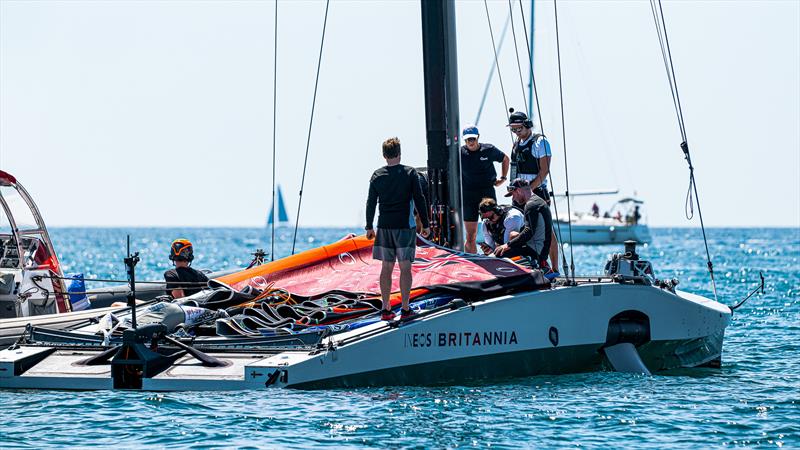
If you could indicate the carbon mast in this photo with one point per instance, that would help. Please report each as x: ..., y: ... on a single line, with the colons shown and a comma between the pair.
x: 441, y: 121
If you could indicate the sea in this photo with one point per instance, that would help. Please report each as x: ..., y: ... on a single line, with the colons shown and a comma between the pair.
x: 753, y: 400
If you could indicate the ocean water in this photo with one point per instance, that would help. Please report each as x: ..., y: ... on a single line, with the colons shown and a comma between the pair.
x: 752, y: 401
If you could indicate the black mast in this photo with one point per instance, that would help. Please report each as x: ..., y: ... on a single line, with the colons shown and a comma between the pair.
x: 441, y: 120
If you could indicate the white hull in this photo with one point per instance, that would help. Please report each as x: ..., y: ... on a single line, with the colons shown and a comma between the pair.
x: 563, y: 330
x: 604, y: 233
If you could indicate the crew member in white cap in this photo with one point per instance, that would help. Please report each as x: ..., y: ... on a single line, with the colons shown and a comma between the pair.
x: 478, y: 179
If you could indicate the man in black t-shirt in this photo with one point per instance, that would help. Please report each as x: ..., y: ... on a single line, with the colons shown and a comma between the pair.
x: 183, y: 281
x: 396, y: 189
x: 478, y: 179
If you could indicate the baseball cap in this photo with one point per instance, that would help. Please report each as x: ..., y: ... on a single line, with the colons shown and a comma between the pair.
x: 518, y: 183
x: 470, y: 132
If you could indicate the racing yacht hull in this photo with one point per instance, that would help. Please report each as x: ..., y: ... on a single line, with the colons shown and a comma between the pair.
x: 556, y: 331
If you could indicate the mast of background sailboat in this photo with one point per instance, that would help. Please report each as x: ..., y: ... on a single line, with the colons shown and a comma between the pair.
x: 441, y: 120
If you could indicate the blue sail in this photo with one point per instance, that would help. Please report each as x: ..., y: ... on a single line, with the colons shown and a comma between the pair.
x: 283, y: 217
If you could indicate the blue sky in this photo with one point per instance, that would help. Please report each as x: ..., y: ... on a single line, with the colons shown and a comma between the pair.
x: 160, y: 113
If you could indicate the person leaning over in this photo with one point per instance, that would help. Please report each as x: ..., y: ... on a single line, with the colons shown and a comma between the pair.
x: 538, y: 229
x: 183, y: 281
x: 530, y: 160
x: 395, y: 189
x: 500, y: 224
x: 478, y: 179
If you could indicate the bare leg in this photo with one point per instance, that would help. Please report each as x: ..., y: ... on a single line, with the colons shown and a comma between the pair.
x: 472, y: 234
x: 554, y: 252
x: 405, y: 281
x: 386, y: 282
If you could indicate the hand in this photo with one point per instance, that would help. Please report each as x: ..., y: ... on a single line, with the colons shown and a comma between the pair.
x: 499, y: 182
x: 426, y: 232
x: 370, y: 234
x: 501, y: 249
x: 485, y: 248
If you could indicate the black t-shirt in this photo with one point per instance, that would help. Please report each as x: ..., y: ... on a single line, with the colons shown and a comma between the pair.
x: 392, y: 189
x: 477, y: 168
x: 184, y: 278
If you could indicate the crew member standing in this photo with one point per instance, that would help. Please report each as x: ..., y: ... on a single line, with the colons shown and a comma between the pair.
x: 530, y: 160
x: 478, y: 179
x: 183, y: 281
x: 395, y: 189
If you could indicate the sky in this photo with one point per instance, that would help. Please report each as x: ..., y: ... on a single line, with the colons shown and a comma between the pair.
x: 159, y: 113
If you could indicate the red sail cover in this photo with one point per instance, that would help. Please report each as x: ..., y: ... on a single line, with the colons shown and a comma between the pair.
x: 347, y: 265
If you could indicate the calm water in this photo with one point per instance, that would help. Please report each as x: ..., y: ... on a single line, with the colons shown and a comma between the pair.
x: 753, y: 401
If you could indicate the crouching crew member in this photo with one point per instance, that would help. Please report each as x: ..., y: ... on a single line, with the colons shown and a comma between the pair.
x: 537, y: 230
x: 183, y: 281
x: 500, y: 224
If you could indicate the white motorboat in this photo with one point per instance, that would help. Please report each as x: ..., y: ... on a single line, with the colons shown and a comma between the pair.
x: 486, y: 318
x: 622, y: 222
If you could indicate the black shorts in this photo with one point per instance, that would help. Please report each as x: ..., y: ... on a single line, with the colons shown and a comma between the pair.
x: 395, y: 244
x: 472, y: 198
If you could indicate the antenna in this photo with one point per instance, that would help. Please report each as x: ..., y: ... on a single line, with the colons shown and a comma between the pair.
x: 130, y: 265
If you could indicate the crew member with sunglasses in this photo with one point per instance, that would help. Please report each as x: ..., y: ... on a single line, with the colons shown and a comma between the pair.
x: 478, y: 179
x: 501, y: 223
x: 530, y: 160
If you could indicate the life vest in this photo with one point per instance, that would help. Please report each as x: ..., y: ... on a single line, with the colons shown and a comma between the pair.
x: 498, y: 230
x: 522, y: 156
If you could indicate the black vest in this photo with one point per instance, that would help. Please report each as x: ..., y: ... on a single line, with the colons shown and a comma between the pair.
x: 498, y: 230
x: 522, y: 156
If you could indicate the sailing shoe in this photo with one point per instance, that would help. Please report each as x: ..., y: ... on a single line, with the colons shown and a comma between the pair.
x: 407, y: 314
x: 387, y: 315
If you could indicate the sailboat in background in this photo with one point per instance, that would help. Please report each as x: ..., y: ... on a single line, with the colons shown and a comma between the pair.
x: 283, y: 217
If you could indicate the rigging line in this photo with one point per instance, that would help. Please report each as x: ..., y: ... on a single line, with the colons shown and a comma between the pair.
x: 497, y: 65
x: 274, y: 113
x: 564, y: 140
x: 516, y: 53
x: 684, y: 144
x: 310, y: 125
x: 491, y: 72
x: 533, y: 78
x: 665, y: 58
x: 541, y: 127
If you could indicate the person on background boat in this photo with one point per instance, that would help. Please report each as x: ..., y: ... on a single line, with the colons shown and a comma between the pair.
x: 530, y: 160
x: 595, y: 210
x: 534, y: 238
x: 478, y: 178
x: 183, y: 281
x: 500, y: 224
x: 395, y: 189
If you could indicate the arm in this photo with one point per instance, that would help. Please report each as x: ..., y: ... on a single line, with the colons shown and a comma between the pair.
x: 419, y: 202
x: 372, y: 202
x: 511, y: 224
x: 487, y: 237
x: 504, y: 170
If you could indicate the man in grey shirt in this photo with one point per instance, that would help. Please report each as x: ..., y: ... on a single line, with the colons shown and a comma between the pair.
x: 538, y: 226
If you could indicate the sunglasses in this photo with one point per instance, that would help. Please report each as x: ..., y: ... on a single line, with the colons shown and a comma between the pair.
x: 471, y: 139
x: 516, y: 130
